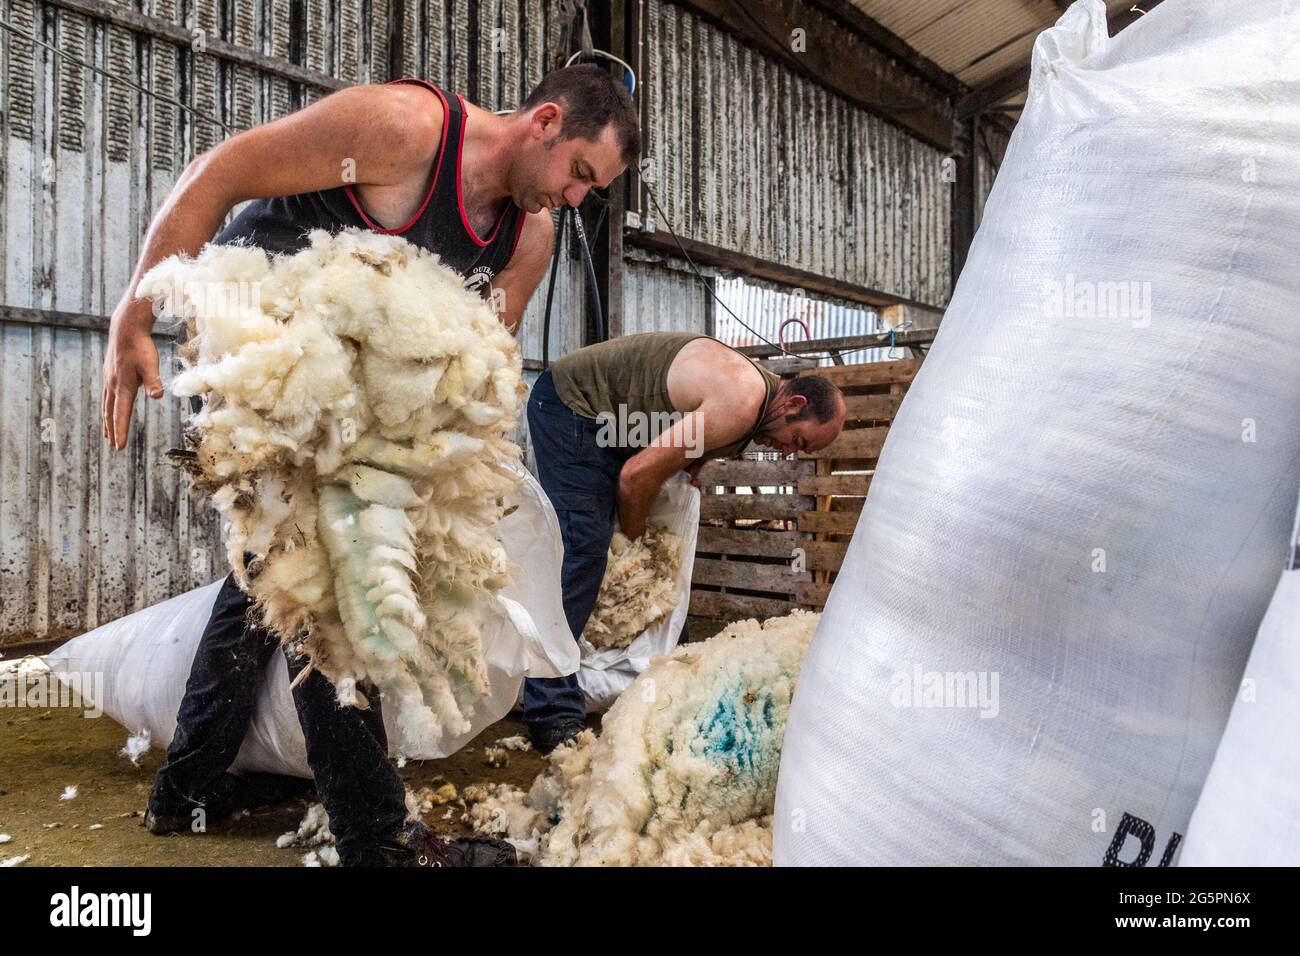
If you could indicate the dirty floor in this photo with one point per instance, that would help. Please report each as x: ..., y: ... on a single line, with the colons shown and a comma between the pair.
x: 44, y: 751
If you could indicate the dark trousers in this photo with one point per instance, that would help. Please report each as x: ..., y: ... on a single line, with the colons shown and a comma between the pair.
x: 581, y: 480
x: 347, y: 748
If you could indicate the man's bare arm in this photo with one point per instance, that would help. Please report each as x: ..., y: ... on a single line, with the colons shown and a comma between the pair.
x: 714, y: 424
x: 517, y: 282
x: 369, y: 135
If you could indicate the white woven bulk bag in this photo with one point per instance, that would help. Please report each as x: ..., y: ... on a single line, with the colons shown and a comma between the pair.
x: 1034, y: 642
x: 1249, y: 811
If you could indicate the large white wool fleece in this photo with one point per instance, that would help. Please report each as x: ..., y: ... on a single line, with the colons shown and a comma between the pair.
x: 358, y: 400
x: 684, y: 770
x: 639, y: 587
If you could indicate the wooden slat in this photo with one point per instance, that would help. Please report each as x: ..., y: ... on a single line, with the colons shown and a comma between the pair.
x: 737, y: 607
x: 854, y: 464
x: 813, y: 595
x: 747, y: 575
x: 841, y: 503
x: 787, y: 366
x: 824, y: 555
x: 872, y: 373
x: 736, y: 472
x: 831, y: 522
x: 823, y: 485
x: 872, y: 407
x: 853, y: 443
x: 767, y: 544
x: 752, y: 506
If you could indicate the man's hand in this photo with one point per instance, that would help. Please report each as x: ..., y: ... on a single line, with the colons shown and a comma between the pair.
x: 130, y: 361
x: 694, y: 471
x: 633, y: 505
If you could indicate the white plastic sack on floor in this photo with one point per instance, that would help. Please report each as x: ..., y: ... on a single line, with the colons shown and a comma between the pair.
x: 1032, y: 648
x: 607, y: 672
x: 145, y: 657
x: 1249, y: 811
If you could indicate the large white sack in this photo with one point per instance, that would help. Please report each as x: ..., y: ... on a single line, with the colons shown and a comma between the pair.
x: 608, y: 671
x: 145, y: 657
x: 1088, y: 510
x: 1249, y: 811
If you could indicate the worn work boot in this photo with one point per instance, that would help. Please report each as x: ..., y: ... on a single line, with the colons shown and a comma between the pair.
x: 419, y: 846
x: 466, y: 851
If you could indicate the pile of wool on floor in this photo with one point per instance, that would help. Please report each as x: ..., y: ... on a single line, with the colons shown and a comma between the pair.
x: 354, y: 434
x: 684, y: 770
x: 314, y: 832
x: 638, y: 589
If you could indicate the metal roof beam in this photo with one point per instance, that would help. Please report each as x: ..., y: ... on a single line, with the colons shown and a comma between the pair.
x: 1016, y: 80
x: 891, y: 44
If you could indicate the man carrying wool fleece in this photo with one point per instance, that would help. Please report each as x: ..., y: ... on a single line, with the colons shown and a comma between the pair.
x: 404, y: 159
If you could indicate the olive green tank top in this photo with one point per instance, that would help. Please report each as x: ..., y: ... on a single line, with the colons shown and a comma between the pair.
x: 632, y: 371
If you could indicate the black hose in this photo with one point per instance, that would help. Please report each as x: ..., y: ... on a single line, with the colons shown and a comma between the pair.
x: 591, y: 278
x: 550, y: 293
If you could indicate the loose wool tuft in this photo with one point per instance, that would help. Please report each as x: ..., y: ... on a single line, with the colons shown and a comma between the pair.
x: 638, y: 589
x: 358, y: 400
x: 684, y: 770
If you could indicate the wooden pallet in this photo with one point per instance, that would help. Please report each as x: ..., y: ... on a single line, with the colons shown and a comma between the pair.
x: 744, y: 558
x: 842, y: 472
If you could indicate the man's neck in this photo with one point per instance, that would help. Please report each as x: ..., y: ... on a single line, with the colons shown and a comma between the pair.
x: 775, y: 411
x: 486, y: 159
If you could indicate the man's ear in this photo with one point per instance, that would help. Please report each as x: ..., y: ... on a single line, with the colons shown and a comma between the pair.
x: 795, y: 403
x: 547, y: 120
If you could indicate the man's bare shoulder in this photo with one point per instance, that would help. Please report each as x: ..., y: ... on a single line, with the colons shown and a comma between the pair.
x: 410, y: 118
x: 719, y: 375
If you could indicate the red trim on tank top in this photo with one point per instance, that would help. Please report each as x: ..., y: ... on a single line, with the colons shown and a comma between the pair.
x: 437, y: 170
x: 519, y: 231
x: 460, y: 201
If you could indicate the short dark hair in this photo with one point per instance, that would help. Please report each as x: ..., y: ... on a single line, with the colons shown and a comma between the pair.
x: 592, y: 100
x: 823, y: 398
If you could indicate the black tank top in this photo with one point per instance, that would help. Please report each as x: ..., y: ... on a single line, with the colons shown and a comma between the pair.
x: 281, y: 224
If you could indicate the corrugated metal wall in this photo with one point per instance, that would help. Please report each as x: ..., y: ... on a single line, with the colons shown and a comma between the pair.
x: 990, y: 149
x: 765, y: 307
x: 662, y: 294
x: 762, y: 308
x: 748, y: 155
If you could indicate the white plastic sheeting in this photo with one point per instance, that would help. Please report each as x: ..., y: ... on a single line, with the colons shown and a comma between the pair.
x: 608, y: 671
x: 1032, y: 648
x: 145, y: 657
